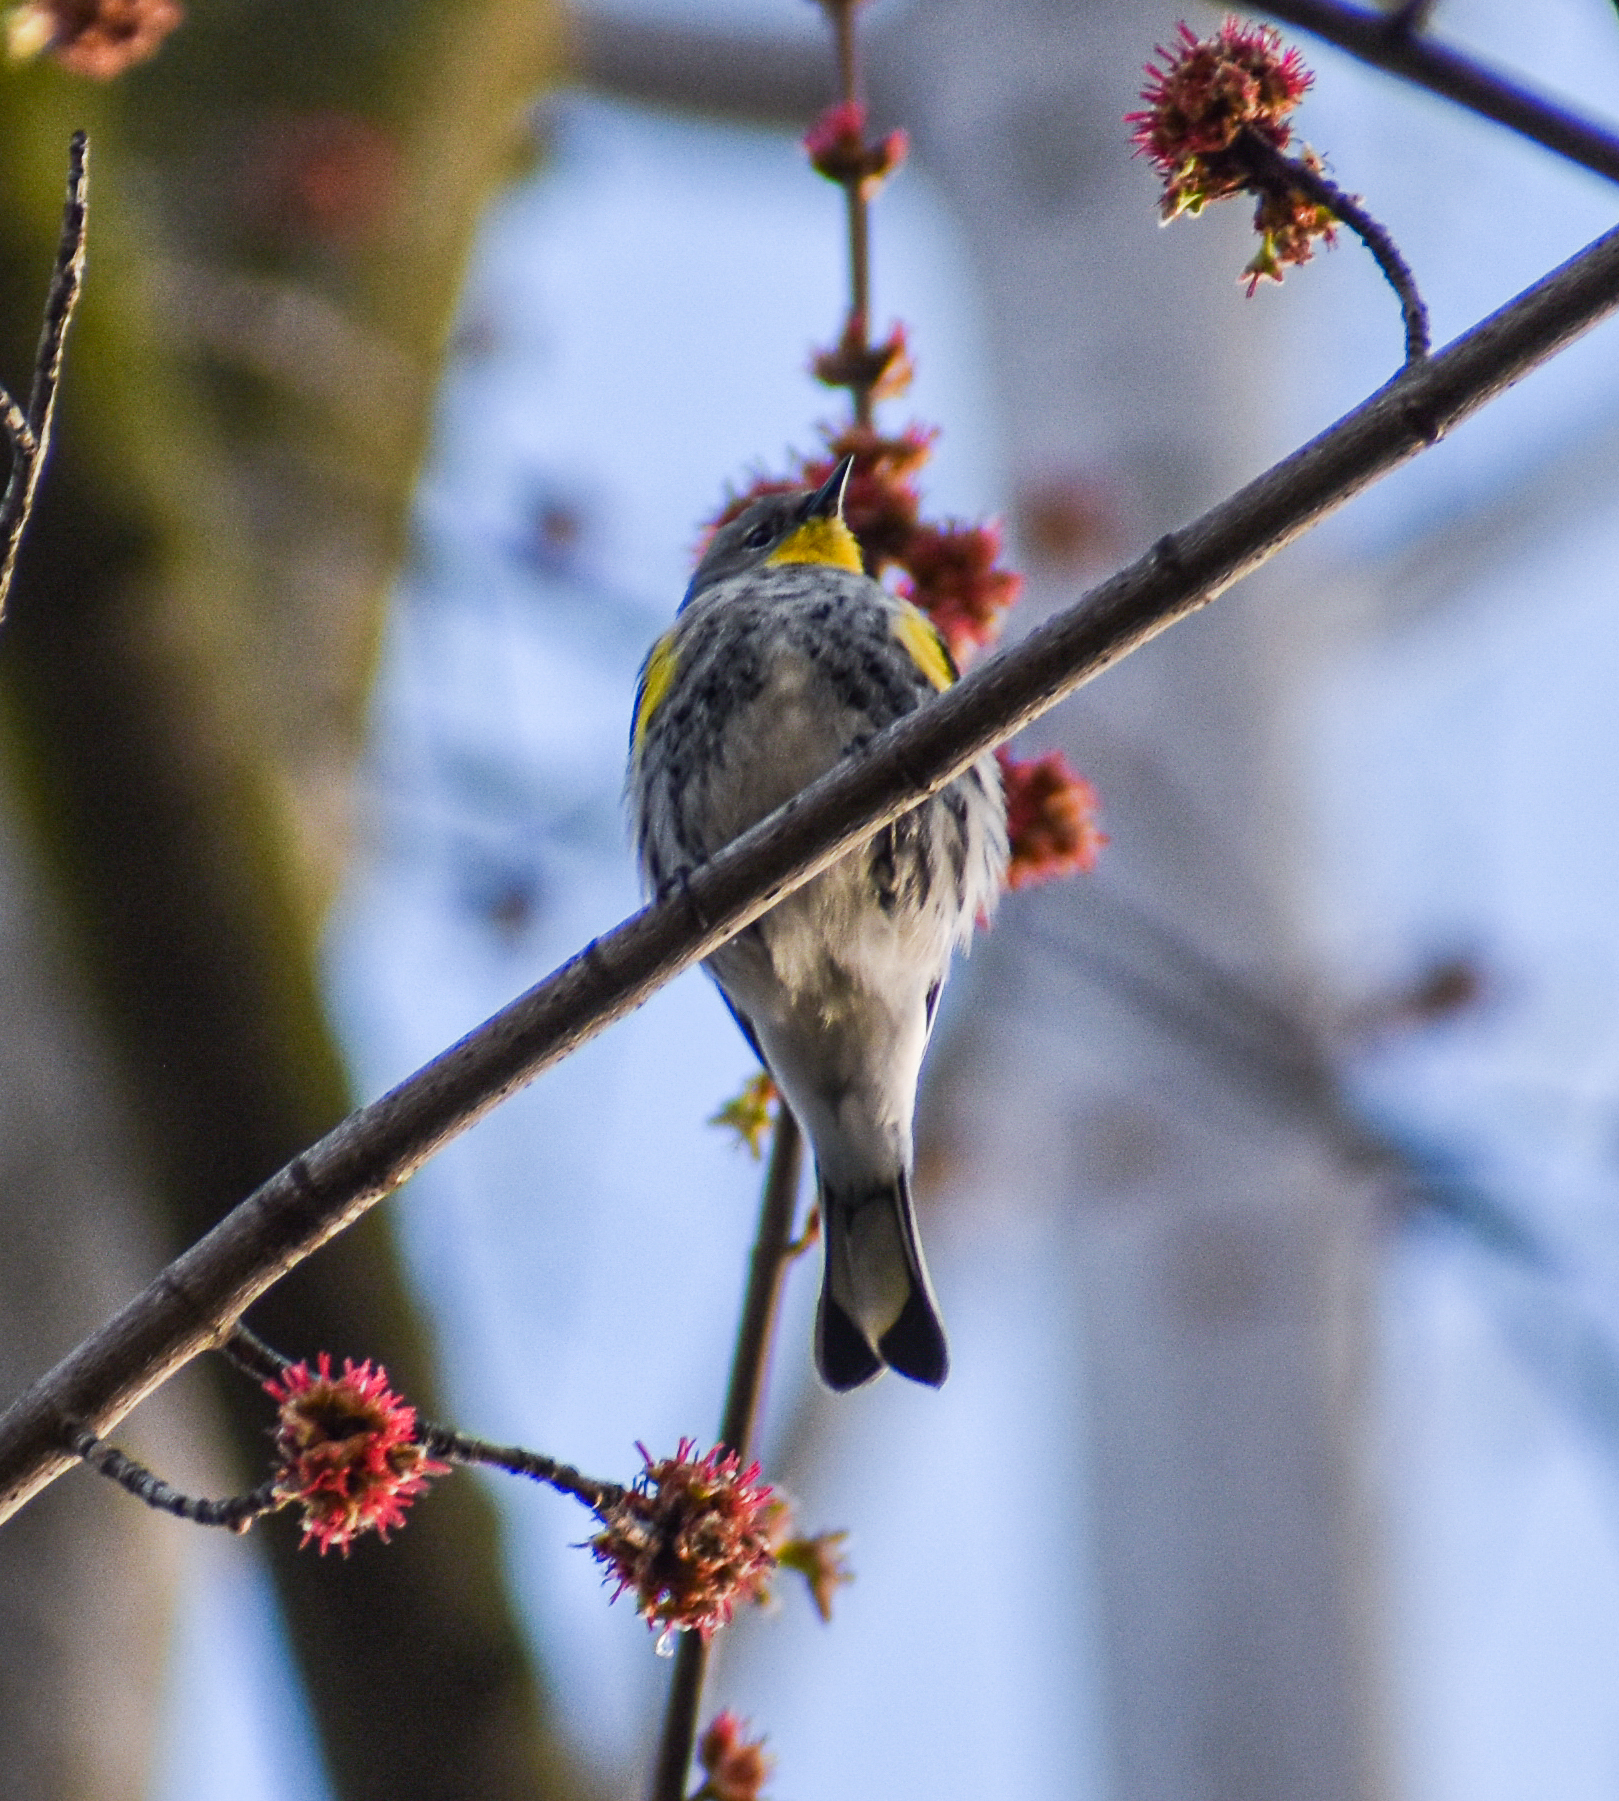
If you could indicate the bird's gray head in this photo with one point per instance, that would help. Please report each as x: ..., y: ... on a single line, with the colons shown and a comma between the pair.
x: 804, y: 527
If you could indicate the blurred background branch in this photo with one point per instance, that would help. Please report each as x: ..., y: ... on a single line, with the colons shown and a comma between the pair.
x: 1394, y: 40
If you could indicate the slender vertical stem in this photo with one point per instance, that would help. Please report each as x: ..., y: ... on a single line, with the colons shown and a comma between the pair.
x: 841, y: 13
x: 755, y: 1332
x: 757, y: 1329
x: 679, y: 1734
x: 859, y: 290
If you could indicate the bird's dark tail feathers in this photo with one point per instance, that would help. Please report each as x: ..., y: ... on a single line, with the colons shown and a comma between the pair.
x: 877, y: 1304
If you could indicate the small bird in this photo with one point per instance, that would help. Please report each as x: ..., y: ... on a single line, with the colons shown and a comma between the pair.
x: 785, y: 657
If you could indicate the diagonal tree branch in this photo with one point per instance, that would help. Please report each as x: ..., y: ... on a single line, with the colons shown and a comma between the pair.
x: 1388, y: 41
x: 192, y: 1304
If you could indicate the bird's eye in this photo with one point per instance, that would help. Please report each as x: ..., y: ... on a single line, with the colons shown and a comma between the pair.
x: 758, y: 537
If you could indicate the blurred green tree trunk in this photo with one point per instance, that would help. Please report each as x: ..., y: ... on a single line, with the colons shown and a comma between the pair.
x: 282, y: 203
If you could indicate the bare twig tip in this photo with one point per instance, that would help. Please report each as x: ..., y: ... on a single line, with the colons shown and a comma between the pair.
x: 30, y: 429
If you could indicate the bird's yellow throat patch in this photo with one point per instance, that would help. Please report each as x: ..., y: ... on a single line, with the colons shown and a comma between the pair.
x: 916, y: 632
x: 819, y: 541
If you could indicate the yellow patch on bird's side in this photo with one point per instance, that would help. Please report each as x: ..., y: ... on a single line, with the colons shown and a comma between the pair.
x: 819, y: 541
x: 657, y: 672
x: 928, y: 651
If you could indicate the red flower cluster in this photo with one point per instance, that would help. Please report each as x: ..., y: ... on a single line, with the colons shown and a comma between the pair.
x: 97, y: 38
x: 881, y: 502
x: 1213, y: 105
x: 692, y: 1538
x: 1205, y: 96
x: 347, y: 1451
x: 735, y: 1767
x: 837, y: 148
x: 1050, y: 819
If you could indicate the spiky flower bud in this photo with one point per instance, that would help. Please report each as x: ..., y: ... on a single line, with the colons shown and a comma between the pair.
x: 884, y: 370
x: 1215, y: 124
x: 347, y: 1451
x: 954, y: 580
x: 691, y: 1539
x: 837, y: 149
x: 1289, y: 222
x: 1202, y: 97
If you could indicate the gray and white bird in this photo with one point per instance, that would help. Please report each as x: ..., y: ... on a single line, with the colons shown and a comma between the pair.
x: 786, y: 656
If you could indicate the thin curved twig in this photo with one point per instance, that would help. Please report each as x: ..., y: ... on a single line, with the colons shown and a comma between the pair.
x: 461, y: 1447
x: 236, y: 1513
x: 1281, y: 173
x: 30, y: 431
x: 263, y: 1363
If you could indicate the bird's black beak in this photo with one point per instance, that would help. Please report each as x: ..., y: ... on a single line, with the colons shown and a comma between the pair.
x: 827, y: 500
